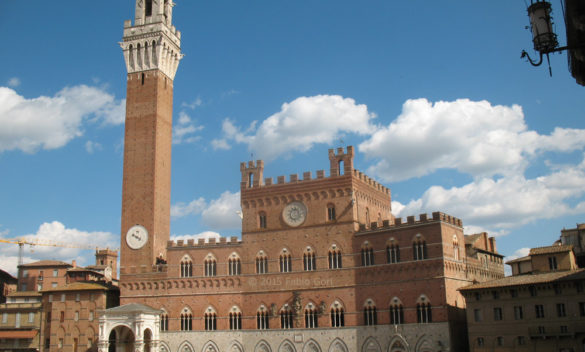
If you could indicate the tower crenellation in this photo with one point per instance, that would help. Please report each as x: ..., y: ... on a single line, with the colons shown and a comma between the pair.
x: 153, y: 42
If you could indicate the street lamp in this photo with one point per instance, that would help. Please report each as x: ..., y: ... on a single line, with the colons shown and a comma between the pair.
x: 543, y: 36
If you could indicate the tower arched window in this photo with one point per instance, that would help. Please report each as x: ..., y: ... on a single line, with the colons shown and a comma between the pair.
x: 148, y: 8
x: 331, y: 212
x: 286, y: 317
x: 309, y: 262
x: 210, y: 266
x: 262, y: 318
x: 367, y: 254
x: 235, y: 317
x: 261, y: 263
x: 392, y: 252
x: 186, y: 320
x: 210, y: 318
x: 423, y: 311
x: 234, y: 265
x: 262, y: 220
x: 396, y: 312
x: 337, y: 315
x: 311, y: 316
x: 334, y: 257
x: 164, y: 321
x: 455, y: 247
x: 370, y: 313
x: 419, y: 248
x: 285, y: 261
x: 186, y: 267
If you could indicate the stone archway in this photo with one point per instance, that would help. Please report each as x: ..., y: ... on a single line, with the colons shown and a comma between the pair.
x: 121, y: 339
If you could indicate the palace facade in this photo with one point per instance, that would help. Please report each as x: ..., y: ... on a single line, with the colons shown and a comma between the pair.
x: 322, y: 265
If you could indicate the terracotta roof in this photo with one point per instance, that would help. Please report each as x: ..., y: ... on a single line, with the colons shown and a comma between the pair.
x: 551, y: 249
x: 24, y: 294
x: 78, y: 286
x: 133, y: 308
x: 517, y: 260
x: 18, y: 334
x: 529, y: 279
x: 46, y: 263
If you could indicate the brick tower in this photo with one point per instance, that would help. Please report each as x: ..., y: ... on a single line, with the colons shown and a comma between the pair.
x: 152, y: 53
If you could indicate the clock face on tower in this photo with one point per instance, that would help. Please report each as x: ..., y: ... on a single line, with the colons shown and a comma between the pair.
x: 136, y: 237
x: 294, y: 214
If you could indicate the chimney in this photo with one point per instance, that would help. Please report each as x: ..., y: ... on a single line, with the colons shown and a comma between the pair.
x: 74, y: 263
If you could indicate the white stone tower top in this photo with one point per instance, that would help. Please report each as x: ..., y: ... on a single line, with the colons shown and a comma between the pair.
x: 153, y: 42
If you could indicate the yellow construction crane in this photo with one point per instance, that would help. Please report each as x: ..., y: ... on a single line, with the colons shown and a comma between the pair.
x: 22, y: 241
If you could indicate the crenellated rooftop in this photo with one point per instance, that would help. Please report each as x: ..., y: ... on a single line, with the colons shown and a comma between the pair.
x: 411, y: 220
x: 201, y: 242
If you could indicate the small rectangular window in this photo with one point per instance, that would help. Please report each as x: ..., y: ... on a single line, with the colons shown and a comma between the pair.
x: 55, y: 273
x: 477, y: 315
x: 62, y: 317
x: 23, y: 287
x: 500, y: 341
x: 561, y: 312
x: 53, y: 284
x: 564, y: 329
x: 539, y: 310
x: 552, y: 263
x: 4, y: 318
x: 497, y: 314
x: 76, y: 316
x: 496, y: 294
x: 51, y: 298
x: 31, y: 317
x: 62, y: 297
x: 90, y: 318
x: 77, y: 297
x: 521, y: 340
x: 331, y: 213
x: 518, y: 314
x: 25, y: 273
x: 513, y: 293
x: 17, y: 320
x: 532, y: 290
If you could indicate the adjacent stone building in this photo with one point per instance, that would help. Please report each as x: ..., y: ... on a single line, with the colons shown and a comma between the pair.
x: 21, y: 322
x: 576, y: 238
x: 540, y: 308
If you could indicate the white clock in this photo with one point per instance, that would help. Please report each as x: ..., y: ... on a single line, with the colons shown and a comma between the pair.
x: 294, y: 213
x: 136, y: 237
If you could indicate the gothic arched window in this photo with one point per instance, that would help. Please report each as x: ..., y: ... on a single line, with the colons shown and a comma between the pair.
x: 334, y: 257
x: 370, y: 314
x: 309, y: 262
x: 261, y: 263
x: 286, y: 317
x: 367, y: 254
x: 210, y: 265
x: 262, y: 318
x: 234, y: 265
x: 311, y: 316
x: 419, y: 248
x: 186, y: 266
x: 392, y: 252
x: 235, y: 317
x: 337, y: 315
x: 210, y: 318
x: 186, y: 320
x: 285, y: 261
x: 396, y: 312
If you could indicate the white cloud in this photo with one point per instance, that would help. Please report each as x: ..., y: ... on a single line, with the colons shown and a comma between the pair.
x: 51, y: 122
x: 476, y: 138
x: 507, y: 202
x: 194, y: 207
x: 14, y: 82
x: 218, y: 214
x: 222, y: 212
x: 205, y: 235
x: 92, y: 147
x: 299, y: 125
x: 184, y: 131
x: 194, y: 104
x: 57, y: 233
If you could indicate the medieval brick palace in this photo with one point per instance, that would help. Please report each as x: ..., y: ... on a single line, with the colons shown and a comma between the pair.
x: 322, y: 265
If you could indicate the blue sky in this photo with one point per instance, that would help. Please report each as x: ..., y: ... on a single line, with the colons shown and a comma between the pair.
x: 433, y: 95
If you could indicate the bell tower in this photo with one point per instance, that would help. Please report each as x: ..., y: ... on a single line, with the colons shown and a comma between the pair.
x: 152, y: 51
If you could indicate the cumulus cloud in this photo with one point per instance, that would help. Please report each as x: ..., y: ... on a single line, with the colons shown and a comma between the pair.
x: 220, y: 213
x: 194, y: 104
x: 185, y: 130
x: 51, y: 122
x: 475, y: 138
x: 56, y: 232
x: 300, y: 124
x: 206, y: 235
x: 507, y: 202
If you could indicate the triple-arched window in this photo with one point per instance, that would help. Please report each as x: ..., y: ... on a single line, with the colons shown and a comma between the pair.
x: 262, y: 318
x: 235, y: 317
x: 186, y: 266
x: 210, y: 318
x: 286, y: 317
x: 396, y: 312
x: 234, y: 265
x: 285, y: 261
x: 164, y: 321
x: 261, y: 263
x: 311, y: 316
x: 337, y: 315
x: 370, y: 314
x: 210, y: 265
x: 334, y: 257
x: 419, y: 248
x: 186, y: 320
x: 309, y: 261
x: 392, y: 252
x: 367, y: 254
x: 423, y: 310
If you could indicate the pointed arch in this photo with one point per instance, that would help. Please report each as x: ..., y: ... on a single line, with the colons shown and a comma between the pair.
x: 311, y: 346
x: 164, y: 320
x: 186, y: 319
x: 185, y: 346
x: 285, y: 261
x: 392, y: 251
x: 235, y: 317
x: 210, y: 346
x: 287, y: 346
x: 309, y: 261
x: 370, y: 312
x: 210, y: 317
x: 423, y: 344
x: 371, y: 345
x: 396, y: 311
x: 262, y: 346
x: 334, y: 256
x: 261, y: 262
x: 234, y: 264
x: 186, y: 266
x: 419, y: 247
x: 164, y: 347
x: 367, y: 254
x: 338, y: 346
x: 236, y: 346
x: 311, y: 313
x: 210, y: 263
x: 398, y: 344
x: 262, y: 318
x: 337, y: 314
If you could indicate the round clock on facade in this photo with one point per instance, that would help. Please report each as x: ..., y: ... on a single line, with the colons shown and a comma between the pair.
x: 136, y: 237
x: 294, y: 213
